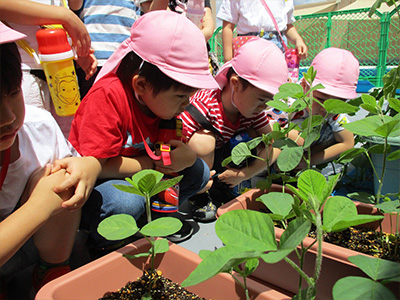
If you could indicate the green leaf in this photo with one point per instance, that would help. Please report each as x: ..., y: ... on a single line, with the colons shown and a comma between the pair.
x: 289, y: 158
x: 311, y: 137
x: 147, y: 183
x: 311, y: 184
x: 164, y: 184
x: 240, y: 152
x: 161, y: 227
x: 221, y: 260
x: 294, y: 234
x: 394, y: 103
x: 161, y: 246
x: 292, y: 90
x: 389, y: 207
x: 348, y: 155
x: 246, y: 227
x: 279, y: 105
x: 340, y: 213
x: 366, y: 126
x: 362, y: 197
x: 395, y: 155
x: 391, y: 128
x: 147, y: 296
x: 297, y: 105
x: 278, y: 203
x: 250, y: 266
x: 344, y: 288
x: 128, y: 189
x: 117, y: 227
x: 335, y: 106
x: 376, y: 268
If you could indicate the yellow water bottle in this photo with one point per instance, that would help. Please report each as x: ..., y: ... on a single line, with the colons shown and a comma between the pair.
x: 56, y: 56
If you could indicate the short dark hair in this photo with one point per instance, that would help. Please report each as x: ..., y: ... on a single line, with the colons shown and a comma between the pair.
x: 10, y: 68
x: 159, y: 82
x: 244, y: 82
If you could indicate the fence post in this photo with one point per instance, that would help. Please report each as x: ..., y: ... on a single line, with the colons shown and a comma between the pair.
x: 383, y: 46
x: 328, y: 30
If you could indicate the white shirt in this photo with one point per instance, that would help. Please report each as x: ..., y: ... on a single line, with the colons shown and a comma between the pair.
x: 40, y: 142
x: 251, y: 15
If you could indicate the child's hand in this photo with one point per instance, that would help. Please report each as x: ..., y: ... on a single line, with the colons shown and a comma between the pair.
x: 232, y: 177
x: 83, y: 173
x: 302, y: 48
x: 78, y: 32
x: 40, y: 190
x: 182, y: 157
x: 88, y: 64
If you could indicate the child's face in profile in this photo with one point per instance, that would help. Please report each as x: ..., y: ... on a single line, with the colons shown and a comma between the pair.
x: 251, y: 101
x: 12, y: 113
x: 317, y: 109
x: 167, y: 104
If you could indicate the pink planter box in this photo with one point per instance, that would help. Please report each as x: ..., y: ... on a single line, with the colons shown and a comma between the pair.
x: 335, y: 264
x: 113, y: 271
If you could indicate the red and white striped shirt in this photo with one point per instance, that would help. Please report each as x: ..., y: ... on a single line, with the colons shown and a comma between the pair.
x: 208, y: 102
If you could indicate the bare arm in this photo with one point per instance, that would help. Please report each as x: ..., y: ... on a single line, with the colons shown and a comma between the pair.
x: 121, y: 166
x: 42, y: 204
x: 227, y: 37
x: 208, y: 24
x: 26, y: 12
x: 295, y: 38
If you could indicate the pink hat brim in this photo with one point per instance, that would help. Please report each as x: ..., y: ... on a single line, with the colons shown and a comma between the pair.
x: 8, y: 35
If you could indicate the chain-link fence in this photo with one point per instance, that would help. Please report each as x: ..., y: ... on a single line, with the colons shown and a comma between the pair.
x: 375, y: 41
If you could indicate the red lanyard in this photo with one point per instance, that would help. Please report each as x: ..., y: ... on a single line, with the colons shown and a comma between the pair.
x: 4, y: 169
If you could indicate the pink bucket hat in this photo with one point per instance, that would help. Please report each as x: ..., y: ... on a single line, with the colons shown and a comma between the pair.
x: 8, y: 35
x: 338, y: 71
x: 260, y: 62
x: 172, y: 43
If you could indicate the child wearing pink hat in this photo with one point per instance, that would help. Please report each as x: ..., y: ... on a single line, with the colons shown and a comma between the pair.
x: 38, y: 218
x: 246, y: 84
x: 149, y: 78
x: 338, y: 71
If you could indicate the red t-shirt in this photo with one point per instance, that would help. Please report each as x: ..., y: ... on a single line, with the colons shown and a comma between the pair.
x: 104, y: 127
x: 208, y: 102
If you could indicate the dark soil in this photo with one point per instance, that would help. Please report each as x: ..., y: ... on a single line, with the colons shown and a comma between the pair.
x: 367, y: 241
x: 161, y: 289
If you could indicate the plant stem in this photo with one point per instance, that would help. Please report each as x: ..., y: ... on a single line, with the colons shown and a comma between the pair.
x: 300, y: 271
x: 318, y: 259
x: 244, y: 286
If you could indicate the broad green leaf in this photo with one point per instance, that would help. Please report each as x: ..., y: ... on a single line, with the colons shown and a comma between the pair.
x: 362, y: 197
x: 240, y: 152
x: 147, y: 183
x: 161, y: 246
x: 278, y: 104
x: 138, y: 176
x: 388, y: 129
x: 340, y: 213
x: 316, y: 120
x: 348, y: 155
x: 377, y: 149
x: 366, y: 126
x: 395, y: 155
x: 221, y: 260
x: 297, y: 105
x: 164, y: 184
x: 376, y: 268
x: 389, y: 207
x: 117, y: 227
x: 294, y: 234
x: 394, y: 103
x: 287, y: 90
x: 250, y: 266
x: 289, y: 158
x: 311, y: 137
x: 335, y: 106
x: 344, y: 288
x: 161, y: 227
x: 330, y: 186
x: 368, y: 99
x: 147, y: 296
x: 278, y: 203
x: 311, y: 183
x: 141, y: 254
x: 128, y: 189
x: 246, y: 227
x: 285, y: 142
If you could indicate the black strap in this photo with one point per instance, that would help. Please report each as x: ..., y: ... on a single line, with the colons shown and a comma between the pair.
x: 201, y: 119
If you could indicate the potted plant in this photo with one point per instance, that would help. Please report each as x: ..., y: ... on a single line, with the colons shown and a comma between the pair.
x: 113, y: 271
x: 287, y: 159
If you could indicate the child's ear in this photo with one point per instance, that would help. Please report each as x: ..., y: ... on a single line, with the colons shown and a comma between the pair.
x: 235, y: 82
x: 139, y: 84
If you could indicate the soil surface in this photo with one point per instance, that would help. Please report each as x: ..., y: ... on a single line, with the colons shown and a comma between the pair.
x: 367, y: 241
x: 161, y: 289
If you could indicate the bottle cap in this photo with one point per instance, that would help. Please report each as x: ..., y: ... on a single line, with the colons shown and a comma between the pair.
x: 52, y: 41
